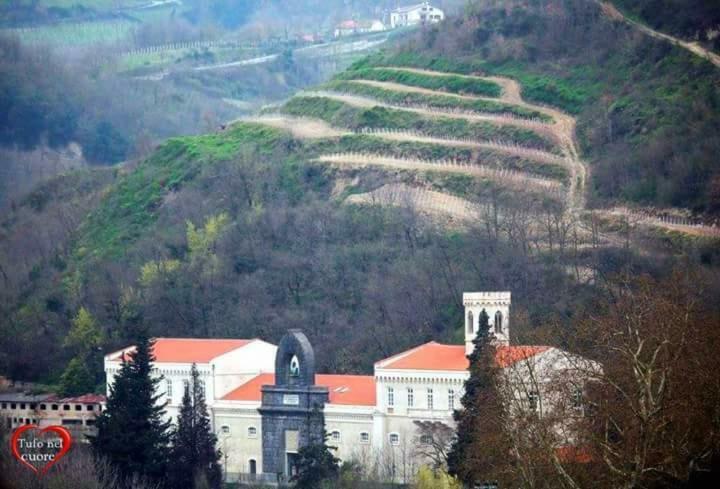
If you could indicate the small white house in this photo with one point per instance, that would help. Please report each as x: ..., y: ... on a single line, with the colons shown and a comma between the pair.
x: 352, y: 27
x: 421, y: 13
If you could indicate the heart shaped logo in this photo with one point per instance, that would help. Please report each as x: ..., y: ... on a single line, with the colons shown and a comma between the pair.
x: 37, y: 452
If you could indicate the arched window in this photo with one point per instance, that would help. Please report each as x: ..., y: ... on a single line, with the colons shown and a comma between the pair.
x: 498, y: 322
x: 335, y: 436
x: 294, y: 367
x: 364, y: 437
x: 470, y: 322
x: 394, y: 438
x: 225, y: 429
x: 252, y: 432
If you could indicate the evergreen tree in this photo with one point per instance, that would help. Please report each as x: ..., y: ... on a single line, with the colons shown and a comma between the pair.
x: 479, y: 447
x: 316, y: 466
x: 194, y: 453
x: 132, y: 434
x: 77, y: 379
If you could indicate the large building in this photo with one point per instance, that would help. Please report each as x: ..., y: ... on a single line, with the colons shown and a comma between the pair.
x: 421, y: 13
x: 77, y: 414
x: 267, y: 401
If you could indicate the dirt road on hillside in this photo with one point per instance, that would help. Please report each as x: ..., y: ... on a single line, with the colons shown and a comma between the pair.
x: 611, y: 11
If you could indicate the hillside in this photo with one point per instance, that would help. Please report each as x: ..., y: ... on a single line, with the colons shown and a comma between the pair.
x: 361, y: 209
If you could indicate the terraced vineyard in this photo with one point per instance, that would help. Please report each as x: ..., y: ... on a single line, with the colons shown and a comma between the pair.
x: 419, y: 127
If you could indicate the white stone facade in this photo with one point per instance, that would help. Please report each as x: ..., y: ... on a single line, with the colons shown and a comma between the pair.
x: 372, y: 419
x: 422, y: 13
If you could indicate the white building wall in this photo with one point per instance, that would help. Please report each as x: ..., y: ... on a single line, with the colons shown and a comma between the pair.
x: 238, y: 366
x: 238, y: 445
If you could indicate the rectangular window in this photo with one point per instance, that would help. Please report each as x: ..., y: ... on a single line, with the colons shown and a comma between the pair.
x: 577, y: 399
x: 533, y: 400
x: 451, y: 399
x: 4, y: 405
x: 394, y: 439
x: 411, y: 398
x: 89, y: 407
x: 430, y: 403
x: 43, y: 407
x: 364, y: 437
x: 78, y: 407
x: 66, y: 407
x: 22, y: 405
x: 54, y: 407
x: 72, y: 421
x: 168, y: 388
x: 390, y: 396
x: 89, y: 422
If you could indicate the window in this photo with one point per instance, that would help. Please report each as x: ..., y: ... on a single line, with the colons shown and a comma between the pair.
x: 394, y: 439
x: 168, y: 388
x: 225, y: 429
x: 89, y: 407
x: 426, y: 439
x: 4, y: 405
x: 66, y: 407
x: 78, y: 407
x: 411, y: 397
x: 22, y: 405
x: 72, y: 421
x: 33, y: 406
x: 430, y: 403
x: 365, y: 437
x: 577, y: 399
x: 335, y: 436
x: 13, y: 405
x: 252, y: 432
x: 43, y: 407
x: 186, y: 384
x: 470, y: 322
x: 451, y: 399
x: 89, y: 422
x: 54, y: 407
x: 498, y: 322
x: 533, y: 400
x: 390, y: 396
x: 201, y: 384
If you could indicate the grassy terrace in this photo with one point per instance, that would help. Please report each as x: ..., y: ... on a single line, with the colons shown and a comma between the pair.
x: 429, y: 151
x: 437, y: 101
x: 448, y: 83
x: 344, y: 115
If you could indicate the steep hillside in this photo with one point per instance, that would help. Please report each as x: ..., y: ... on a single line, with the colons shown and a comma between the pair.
x: 361, y: 209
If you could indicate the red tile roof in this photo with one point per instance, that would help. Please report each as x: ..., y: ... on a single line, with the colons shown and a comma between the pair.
x: 84, y: 399
x: 355, y: 390
x: 436, y: 356
x: 187, y: 350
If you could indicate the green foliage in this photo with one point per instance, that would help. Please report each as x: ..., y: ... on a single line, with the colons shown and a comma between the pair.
x: 194, y: 454
x: 155, y: 270
x: 77, y: 379
x: 132, y: 434
x: 436, y: 101
x: 472, y: 454
x: 316, y: 467
x: 361, y: 143
x: 343, y: 115
x: 130, y: 207
x: 85, y: 335
x: 448, y: 83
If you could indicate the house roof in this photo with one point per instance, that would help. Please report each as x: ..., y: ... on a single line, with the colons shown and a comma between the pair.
x: 348, y: 24
x: 409, y: 8
x: 355, y: 390
x: 186, y: 350
x: 436, y: 356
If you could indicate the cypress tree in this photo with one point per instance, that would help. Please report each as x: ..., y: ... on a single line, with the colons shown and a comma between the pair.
x: 132, y: 433
x: 479, y: 442
x: 194, y: 453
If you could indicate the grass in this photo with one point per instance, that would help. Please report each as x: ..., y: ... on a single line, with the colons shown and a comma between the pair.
x: 448, y: 83
x: 437, y: 101
x: 340, y: 114
x: 429, y: 151
x: 131, y: 205
x: 571, y: 93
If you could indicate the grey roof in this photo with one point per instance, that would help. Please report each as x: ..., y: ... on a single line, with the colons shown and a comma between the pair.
x: 23, y: 397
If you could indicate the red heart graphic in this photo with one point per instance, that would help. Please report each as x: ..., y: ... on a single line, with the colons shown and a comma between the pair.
x: 63, y: 433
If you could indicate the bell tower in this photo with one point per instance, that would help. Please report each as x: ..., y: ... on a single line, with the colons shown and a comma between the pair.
x: 292, y: 409
x: 496, y: 306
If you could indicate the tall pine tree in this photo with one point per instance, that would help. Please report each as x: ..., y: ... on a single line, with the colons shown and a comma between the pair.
x: 479, y: 452
x: 194, y: 453
x: 132, y: 434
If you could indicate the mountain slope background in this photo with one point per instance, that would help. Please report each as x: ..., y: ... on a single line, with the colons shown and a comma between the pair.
x: 257, y: 228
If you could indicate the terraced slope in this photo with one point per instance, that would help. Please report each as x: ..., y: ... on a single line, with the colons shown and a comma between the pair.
x: 423, y: 121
